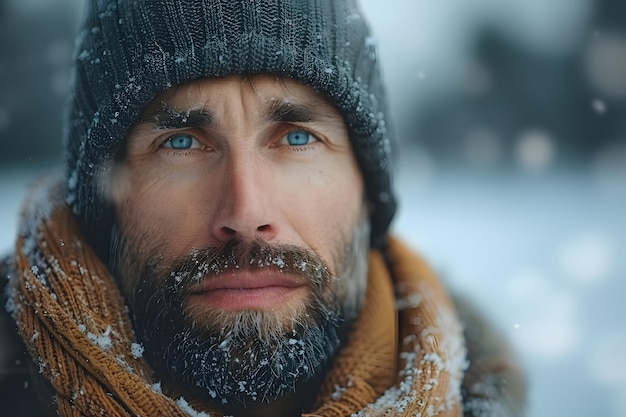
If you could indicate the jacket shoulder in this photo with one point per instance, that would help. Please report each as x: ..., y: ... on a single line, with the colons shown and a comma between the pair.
x: 19, y: 395
x: 494, y: 384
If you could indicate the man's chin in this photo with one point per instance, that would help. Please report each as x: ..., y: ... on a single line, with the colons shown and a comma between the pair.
x: 246, y: 356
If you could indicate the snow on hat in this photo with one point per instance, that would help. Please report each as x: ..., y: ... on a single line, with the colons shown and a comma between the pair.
x: 129, y: 51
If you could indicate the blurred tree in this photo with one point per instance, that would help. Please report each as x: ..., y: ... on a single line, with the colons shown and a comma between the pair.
x: 35, y: 51
x: 519, y: 105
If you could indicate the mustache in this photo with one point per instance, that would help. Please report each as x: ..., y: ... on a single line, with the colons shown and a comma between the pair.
x: 238, y: 255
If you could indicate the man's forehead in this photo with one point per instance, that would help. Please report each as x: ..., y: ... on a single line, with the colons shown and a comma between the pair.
x: 267, y: 87
x: 279, y: 98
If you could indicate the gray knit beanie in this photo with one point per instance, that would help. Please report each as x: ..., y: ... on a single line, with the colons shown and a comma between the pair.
x: 129, y: 51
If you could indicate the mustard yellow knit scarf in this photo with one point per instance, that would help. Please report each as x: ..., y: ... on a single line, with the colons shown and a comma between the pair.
x: 404, y: 357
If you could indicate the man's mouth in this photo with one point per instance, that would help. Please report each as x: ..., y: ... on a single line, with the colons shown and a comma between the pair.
x: 248, y: 290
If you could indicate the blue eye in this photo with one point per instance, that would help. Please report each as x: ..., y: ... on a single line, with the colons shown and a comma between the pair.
x: 299, y: 138
x: 181, y: 142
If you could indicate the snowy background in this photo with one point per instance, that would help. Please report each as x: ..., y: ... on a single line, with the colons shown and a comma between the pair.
x: 512, y: 175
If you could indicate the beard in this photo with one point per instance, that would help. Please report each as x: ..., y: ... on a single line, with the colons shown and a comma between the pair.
x: 235, y: 358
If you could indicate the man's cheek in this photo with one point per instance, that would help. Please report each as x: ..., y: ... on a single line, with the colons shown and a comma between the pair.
x: 143, y: 209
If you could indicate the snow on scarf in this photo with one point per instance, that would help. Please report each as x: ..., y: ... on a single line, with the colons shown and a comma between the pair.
x: 404, y: 357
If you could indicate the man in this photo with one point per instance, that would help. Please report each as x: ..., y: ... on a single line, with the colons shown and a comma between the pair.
x: 219, y: 244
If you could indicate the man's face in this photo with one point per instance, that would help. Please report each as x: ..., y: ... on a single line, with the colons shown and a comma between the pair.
x: 241, y: 235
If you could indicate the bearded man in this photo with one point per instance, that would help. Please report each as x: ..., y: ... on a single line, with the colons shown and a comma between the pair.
x: 218, y: 243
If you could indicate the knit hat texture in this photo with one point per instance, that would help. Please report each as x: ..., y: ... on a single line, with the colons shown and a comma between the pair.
x: 129, y: 51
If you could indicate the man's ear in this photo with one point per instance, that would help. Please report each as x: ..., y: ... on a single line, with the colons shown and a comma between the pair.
x: 113, y: 180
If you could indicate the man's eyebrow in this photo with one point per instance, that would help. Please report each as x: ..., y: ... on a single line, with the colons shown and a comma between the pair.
x: 285, y: 111
x: 165, y: 118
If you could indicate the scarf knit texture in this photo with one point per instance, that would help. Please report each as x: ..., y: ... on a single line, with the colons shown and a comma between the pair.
x: 405, y: 355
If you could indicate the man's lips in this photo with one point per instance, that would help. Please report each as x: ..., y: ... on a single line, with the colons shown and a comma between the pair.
x: 245, y: 290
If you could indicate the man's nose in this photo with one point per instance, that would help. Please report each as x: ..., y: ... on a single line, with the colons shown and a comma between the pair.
x: 245, y: 205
